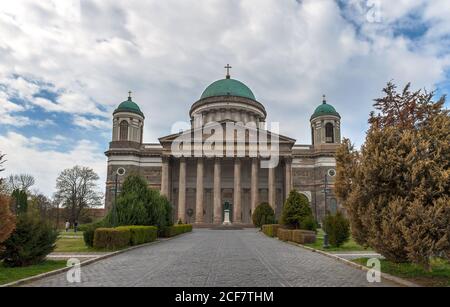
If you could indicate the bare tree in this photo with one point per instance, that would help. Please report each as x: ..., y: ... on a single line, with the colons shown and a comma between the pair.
x: 2, y: 160
x: 21, y: 182
x: 77, y: 190
x: 43, y: 205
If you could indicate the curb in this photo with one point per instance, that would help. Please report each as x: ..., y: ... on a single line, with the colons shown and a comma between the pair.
x: 395, y: 279
x: 87, y: 262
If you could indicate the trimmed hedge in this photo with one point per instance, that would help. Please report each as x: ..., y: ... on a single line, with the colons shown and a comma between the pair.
x: 141, y: 234
x: 112, y: 238
x: 175, y: 230
x: 89, y: 231
x: 270, y: 230
x: 303, y: 236
x: 284, y: 234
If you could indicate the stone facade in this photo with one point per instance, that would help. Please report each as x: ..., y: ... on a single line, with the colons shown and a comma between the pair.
x: 198, y: 186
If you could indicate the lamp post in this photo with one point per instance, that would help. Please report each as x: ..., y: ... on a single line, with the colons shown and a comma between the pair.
x: 119, y: 172
x: 330, y: 173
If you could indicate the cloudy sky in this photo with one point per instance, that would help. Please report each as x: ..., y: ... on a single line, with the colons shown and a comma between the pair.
x: 66, y: 64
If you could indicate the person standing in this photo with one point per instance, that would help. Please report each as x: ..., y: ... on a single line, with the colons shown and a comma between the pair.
x: 67, y: 226
x: 75, y: 226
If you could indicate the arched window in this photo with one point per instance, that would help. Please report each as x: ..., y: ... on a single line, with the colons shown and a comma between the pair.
x: 329, y: 133
x: 123, y: 131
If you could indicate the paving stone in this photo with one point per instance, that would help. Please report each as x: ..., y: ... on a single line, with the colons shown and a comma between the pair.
x: 218, y: 258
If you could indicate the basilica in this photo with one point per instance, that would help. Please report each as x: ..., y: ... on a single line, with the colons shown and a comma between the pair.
x: 202, y: 178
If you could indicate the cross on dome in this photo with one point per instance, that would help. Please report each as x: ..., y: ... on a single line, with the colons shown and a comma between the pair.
x: 228, y: 70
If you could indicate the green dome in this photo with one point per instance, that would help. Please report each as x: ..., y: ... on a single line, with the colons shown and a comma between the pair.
x: 325, y: 109
x: 129, y: 106
x: 228, y: 87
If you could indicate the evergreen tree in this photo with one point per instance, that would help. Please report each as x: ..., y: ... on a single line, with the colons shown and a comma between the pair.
x: 20, y: 201
x: 139, y: 205
x: 30, y: 243
x: 263, y: 215
x: 296, y: 211
x: 396, y: 190
x: 338, y: 229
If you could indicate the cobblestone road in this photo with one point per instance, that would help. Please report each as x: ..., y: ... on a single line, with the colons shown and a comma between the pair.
x: 217, y: 258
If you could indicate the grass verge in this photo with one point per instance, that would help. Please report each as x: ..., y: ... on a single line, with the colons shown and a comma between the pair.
x: 8, y: 275
x: 72, y: 245
x: 349, y: 246
x: 438, y: 277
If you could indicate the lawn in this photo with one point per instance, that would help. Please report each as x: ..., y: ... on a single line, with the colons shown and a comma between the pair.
x: 71, y: 233
x: 75, y: 244
x: 349, y: 246
x: 438, y: 277
x: 72, y: 245
x: 8, y: 275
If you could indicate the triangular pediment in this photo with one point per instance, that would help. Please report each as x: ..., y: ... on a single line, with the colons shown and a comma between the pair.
x: 205, y: 133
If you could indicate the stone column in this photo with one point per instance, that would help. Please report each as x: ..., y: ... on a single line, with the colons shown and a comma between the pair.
x: 237, y: 214
x: 254, y: 184
x: 288, y: 176
x: 182, y: 191
x: 272, y: 194
x: 200, y: 193
x: 217, y: 193
x: 165, y: 177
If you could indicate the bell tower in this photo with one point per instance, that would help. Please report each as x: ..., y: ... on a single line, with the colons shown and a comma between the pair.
x: 128, y: 122
x: 325, y: 125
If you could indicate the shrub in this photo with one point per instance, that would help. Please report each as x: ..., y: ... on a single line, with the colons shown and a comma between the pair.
x: 308, y: 223
x: 31, y: 241
x: 262, y: 215
x: 89, y: 231
x: 284, y: 234
x: 141, y: 234
x: 175, y: 230
x: 338, y: 229
x: 111, y: 238
x: 303, y: 236
x: 7, y: 219
x: 296, y: 211
x: 270, y: 230
x: 139, y: 205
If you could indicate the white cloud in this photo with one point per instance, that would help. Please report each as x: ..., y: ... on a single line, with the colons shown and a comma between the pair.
x: 288, y: 52
x: 87, y: 123
x: 24, y: 155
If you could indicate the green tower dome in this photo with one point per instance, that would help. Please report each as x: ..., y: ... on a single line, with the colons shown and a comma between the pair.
x: 228, y: 87
x: 129, y: 106
x: 325, y: 109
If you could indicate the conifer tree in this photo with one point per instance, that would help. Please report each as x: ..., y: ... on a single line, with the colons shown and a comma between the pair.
x: 296, y: 211
x: 396, y: 189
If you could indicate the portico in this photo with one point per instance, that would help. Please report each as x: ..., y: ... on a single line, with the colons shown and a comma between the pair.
x: 204, y: 183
